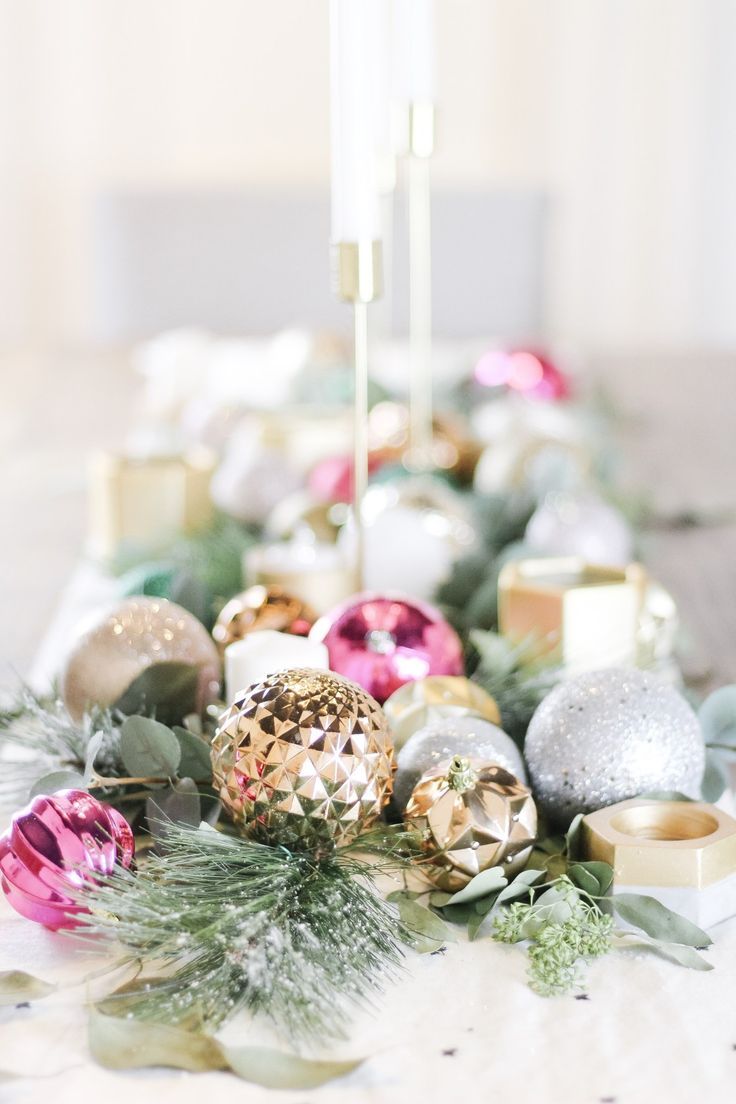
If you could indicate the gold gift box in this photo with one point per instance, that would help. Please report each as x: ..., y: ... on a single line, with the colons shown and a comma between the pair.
x: 584, y: 616
x: 145, y: 503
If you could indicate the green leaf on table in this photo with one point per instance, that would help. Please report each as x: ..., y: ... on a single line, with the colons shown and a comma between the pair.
x: 149, y: 749
x: 58, y: 780
x: 274, y: 1069
x: 170, y: 690
x: 488, y: 881
x: 672, y: 952
x: 195, y: 759
x: 661, y: 923
x: 519, y: 887
x: 717, y: 716
x: 572, y: 837
x: 594, y: 877
x: 123, y: 1043
x: 427, y: 930
x: 715, y: 778
x: 17, y: 987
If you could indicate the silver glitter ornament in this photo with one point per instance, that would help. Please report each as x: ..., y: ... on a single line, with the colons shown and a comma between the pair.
x: 471, y: 737
x: 609, y: 735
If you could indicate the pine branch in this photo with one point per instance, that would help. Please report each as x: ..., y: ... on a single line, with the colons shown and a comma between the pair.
x: 228, y: 924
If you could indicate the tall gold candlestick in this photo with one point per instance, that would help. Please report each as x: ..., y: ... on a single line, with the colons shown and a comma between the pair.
x: 420, y: 146
x: 358, y: 272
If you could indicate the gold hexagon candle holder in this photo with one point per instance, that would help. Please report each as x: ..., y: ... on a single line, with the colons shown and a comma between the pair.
x: 582, y: 615
x: 681, y: 852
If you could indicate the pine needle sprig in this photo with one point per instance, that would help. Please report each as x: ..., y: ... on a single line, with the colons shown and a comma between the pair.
x: 38, y: 736
x: 223, y: 924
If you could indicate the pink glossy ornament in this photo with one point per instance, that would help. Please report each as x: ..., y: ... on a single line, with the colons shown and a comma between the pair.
x: 331, y: 480
x: 383, y: 641
x: 528, y: 371
x: 53, y: 847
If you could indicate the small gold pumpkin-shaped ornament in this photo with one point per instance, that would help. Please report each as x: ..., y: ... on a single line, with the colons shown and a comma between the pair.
x: 471, y: 815
x: 304, y: 759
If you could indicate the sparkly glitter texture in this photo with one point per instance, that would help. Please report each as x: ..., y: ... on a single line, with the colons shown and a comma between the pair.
x: 136, y: 634
x: 609, y: 735
x: 492, y: 822
x: 304, y: 759
x: 439, y: 741
x: 383, y: 642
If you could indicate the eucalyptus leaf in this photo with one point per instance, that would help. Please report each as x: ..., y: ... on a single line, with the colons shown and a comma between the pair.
x: 659, y: 922
x: 126, y: 1043
x: 274, y: 1069
x: 428, y: 931
x: 488, y: 881
x: 519, y: 887
x: 438, y: 899
x: 168, y: 690
x: 715, y: 778
x: 496, y: 654
x: 58, y: 780
x: 594, y: 877
x: 673, y: 952
x: 572, y: 837
x: 16, y: 987
x: 149, y: 749
x: 195, y: 759
x: 717, y: 716
x: 93, y: 748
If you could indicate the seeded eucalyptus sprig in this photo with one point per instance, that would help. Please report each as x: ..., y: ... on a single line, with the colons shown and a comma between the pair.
x: 222, y: 924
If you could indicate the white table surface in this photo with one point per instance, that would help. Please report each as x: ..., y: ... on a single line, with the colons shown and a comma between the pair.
x: 461, y: 1026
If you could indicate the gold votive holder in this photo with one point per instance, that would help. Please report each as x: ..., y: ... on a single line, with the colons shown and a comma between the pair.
x: 683, y: 853
x: 583, y: 616
x: 144, y: 503
x: 317, y: 573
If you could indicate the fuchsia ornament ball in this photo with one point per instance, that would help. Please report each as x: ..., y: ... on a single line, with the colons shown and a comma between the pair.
x: 382, y: 642
x: 53, y: 847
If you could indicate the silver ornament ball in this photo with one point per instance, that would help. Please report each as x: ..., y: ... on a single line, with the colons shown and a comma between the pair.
x: 608, y: 735
x: 442, y: 739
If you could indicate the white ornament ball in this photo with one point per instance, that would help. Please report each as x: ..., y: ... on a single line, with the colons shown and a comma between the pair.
x: 579, y: 524
x: 415, y: 530
x: 609, y: 735
x: 252, y: 478
x: 469, y: 736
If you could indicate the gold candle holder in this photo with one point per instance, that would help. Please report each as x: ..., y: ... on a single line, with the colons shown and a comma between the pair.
x: 358, y: 278
x: 145, y: 503
x: 582, y: 615
x: 681, y: 852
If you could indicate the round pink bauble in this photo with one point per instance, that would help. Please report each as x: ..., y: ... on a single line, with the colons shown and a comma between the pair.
x: 53, y: 847
x: 384, y: 641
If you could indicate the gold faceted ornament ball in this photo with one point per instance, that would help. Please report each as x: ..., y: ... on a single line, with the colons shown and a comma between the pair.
x: 304, y: 759
x: 262, y: 607
x: 128, y: 638
x: 471, y: 816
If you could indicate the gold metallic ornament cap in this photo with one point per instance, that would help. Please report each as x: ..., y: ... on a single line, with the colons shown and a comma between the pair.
x: 419, y: 703
x: 471, y: 815
x: 662, y: 843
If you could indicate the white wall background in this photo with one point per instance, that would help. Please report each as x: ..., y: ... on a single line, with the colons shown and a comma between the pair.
x: 623, y: 110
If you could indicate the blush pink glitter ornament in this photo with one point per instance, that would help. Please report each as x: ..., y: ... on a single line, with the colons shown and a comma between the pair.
x: 53, y: 847
x: 382, y: 642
